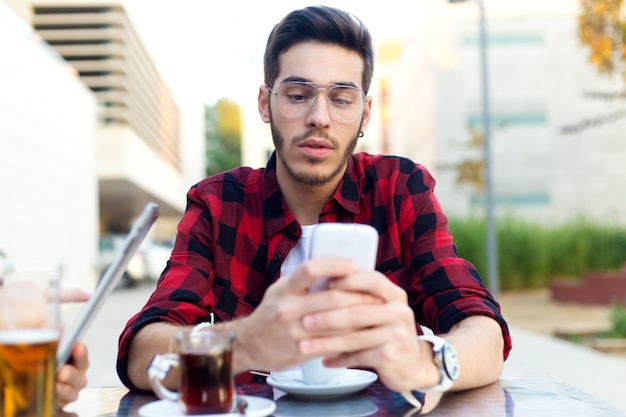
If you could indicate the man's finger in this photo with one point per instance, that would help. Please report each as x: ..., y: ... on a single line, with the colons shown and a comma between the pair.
x: 371, y: 282
x: 79, y: 357
x: 308, y: 272
x: 71, y: 295
x: 74, y: 295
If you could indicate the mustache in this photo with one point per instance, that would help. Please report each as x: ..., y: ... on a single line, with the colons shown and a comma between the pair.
x: 314, y: 133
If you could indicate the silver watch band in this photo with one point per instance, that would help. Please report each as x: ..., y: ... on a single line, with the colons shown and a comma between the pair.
x: 445, y: 383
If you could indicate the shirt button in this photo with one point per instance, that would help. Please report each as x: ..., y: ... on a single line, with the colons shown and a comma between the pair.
x: 293, y: 227
x: 277, y: 257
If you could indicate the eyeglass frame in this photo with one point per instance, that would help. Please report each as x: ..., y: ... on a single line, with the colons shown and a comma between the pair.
x: 317, y: 92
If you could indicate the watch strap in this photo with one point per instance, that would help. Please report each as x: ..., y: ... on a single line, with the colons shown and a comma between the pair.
x: 445, y: 383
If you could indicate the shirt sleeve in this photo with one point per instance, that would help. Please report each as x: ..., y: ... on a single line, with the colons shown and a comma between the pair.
x: 184, y: 294
x: 443, y: 287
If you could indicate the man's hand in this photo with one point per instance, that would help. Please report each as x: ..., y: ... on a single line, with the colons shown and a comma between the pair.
x: 24, y: 305
x: 380, y: 335
x: 383, y: 336
x: 269, y: 338
x: 72, y: 377
x: 282, y: 313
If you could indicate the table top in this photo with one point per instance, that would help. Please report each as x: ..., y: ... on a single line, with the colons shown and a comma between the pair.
x: 508, y: 397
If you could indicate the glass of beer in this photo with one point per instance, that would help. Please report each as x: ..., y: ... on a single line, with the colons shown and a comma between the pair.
x: 29, y: 334
x: 206, y: 372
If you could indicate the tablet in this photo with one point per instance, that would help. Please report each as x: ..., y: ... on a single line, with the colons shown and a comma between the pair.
x: 108, y: 281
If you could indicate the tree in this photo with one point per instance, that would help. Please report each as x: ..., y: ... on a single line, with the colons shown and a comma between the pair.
x: 602, y: 27
x: 223, y: 136
x: 471, y: 171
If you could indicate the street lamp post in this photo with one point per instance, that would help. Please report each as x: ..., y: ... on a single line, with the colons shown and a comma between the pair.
x: 492, y: 244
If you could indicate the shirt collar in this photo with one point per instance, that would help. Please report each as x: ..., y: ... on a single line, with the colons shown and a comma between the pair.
x: 277, y: 214
x: 275, y: 211
x: 347, y: 192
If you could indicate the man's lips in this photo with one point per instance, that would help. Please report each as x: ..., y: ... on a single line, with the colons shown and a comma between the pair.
x: 315, y: 148
x: 315, y: 144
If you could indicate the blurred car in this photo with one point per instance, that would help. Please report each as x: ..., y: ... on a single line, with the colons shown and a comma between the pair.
x: 146, y: 265
x: 154, y: 256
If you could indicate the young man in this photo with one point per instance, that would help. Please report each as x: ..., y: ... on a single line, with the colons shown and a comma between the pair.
x: 241, y: 247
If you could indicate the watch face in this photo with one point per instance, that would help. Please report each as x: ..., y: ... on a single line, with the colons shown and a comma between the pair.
x: 450, y: 362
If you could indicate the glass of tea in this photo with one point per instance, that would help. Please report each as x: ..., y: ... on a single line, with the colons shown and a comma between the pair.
x: 206, y: 372
x: 29, y: 335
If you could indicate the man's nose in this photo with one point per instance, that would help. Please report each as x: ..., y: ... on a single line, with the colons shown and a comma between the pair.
x: 319, y: 114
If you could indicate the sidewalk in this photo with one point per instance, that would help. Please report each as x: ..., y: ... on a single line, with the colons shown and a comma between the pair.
x: 536, y: 355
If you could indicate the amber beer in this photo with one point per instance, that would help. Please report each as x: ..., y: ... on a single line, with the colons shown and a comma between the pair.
x: 28, y: 372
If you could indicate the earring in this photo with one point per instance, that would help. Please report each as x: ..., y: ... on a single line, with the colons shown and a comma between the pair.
x: 361, y: 134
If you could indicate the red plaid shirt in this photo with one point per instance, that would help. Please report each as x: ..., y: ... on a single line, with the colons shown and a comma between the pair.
x: 237, y: 230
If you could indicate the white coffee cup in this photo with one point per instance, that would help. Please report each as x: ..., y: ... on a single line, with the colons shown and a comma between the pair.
x: 315, y: 373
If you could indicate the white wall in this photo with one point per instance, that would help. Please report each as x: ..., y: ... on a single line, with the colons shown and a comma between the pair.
x: 48, y: 184
x: 538, y: 73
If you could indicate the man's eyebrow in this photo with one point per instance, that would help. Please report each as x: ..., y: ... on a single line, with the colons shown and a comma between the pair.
x: 305, y: 80
x: 345, y: 84
x: 294, y: 78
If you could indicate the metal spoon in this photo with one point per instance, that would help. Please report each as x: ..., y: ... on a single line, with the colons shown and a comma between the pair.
x: 288, y: 378
x: 241, y: 406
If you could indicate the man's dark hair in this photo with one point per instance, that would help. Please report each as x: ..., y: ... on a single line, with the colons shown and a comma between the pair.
x: 320, y: 24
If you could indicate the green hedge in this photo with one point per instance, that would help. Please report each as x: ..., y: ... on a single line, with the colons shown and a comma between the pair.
x: 531, y: 254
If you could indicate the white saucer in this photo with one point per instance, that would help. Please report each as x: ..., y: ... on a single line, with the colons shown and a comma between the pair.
x: 257, y: 407
x: 354, y: 381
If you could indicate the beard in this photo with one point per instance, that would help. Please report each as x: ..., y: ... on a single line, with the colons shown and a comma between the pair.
x: 311, y: 179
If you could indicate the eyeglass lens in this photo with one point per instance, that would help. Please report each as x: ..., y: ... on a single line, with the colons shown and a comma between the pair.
x: 294, y: 99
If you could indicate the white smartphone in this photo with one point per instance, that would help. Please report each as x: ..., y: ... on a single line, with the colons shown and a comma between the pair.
x: 357, y: 242
x: 108, y: 281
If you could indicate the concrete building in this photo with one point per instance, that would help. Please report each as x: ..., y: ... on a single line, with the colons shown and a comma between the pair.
x: 48, y: 178
x: 139, y: 132
x: 108, y: 108
x: 558, y: 154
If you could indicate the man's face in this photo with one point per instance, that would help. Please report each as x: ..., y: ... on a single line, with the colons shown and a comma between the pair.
x: 313, y: 149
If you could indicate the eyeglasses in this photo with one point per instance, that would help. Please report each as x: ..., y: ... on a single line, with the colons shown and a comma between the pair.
x: 296, y: 98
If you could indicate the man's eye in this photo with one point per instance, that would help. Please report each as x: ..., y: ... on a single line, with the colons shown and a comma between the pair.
x: 341, y: 101
x: 298, y: 96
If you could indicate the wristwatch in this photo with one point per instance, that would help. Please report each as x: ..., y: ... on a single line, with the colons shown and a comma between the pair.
x: 446, y: 360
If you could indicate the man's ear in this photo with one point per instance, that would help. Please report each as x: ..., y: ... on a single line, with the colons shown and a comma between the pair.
x: 367, y: 112
x: 263, y: 102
